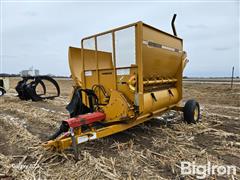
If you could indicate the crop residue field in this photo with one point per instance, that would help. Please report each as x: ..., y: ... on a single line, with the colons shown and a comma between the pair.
x: 152, y: 150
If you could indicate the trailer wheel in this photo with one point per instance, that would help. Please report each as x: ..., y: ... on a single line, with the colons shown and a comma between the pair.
x: 2, y: 91
x: 191, y: 111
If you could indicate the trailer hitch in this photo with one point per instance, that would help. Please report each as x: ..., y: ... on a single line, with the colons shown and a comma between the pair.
x: 72, y: 132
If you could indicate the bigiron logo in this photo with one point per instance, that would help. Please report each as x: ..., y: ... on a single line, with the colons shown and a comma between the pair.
x: 201, y: 171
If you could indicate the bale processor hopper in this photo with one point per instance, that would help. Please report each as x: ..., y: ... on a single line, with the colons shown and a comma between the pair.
x: 123, y: 77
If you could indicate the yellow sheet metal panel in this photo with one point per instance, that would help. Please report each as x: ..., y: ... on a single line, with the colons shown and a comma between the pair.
x: 160, y: 63
x: 104, y: 60
x: 75, y: 64
x: 118, y: 108
x: 90, y: 61
x: 106, y: 79
x: 91, y: 78
x: 161, y: 54
x: 123, y: 76
x: 125, y: 90
x: 157, y: 100
x: 161, y: 37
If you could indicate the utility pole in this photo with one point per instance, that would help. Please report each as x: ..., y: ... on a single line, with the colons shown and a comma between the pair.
x: 232, y: 77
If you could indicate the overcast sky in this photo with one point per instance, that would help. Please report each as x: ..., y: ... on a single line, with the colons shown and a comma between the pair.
x: 39, y: 34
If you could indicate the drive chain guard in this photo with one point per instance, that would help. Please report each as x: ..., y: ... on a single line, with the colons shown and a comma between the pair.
x: 26, y: 88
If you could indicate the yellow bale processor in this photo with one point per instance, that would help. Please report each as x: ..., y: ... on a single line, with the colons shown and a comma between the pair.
x: 123, y: 77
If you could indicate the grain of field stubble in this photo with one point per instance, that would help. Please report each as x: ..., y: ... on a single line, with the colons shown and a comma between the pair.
x: 152, y: 150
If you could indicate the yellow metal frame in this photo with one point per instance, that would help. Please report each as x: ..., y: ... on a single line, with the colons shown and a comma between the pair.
x: 63, y: 143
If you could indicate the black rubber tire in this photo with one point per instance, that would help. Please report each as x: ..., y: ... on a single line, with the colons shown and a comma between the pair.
x: 189, y: 111
x: 2, y: 91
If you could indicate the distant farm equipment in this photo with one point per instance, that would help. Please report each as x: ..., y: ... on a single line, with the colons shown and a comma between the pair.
x: 27, y: 88
x: 4, y: 85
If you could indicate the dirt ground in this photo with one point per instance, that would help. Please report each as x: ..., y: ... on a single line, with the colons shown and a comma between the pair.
x: 153, y: 150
